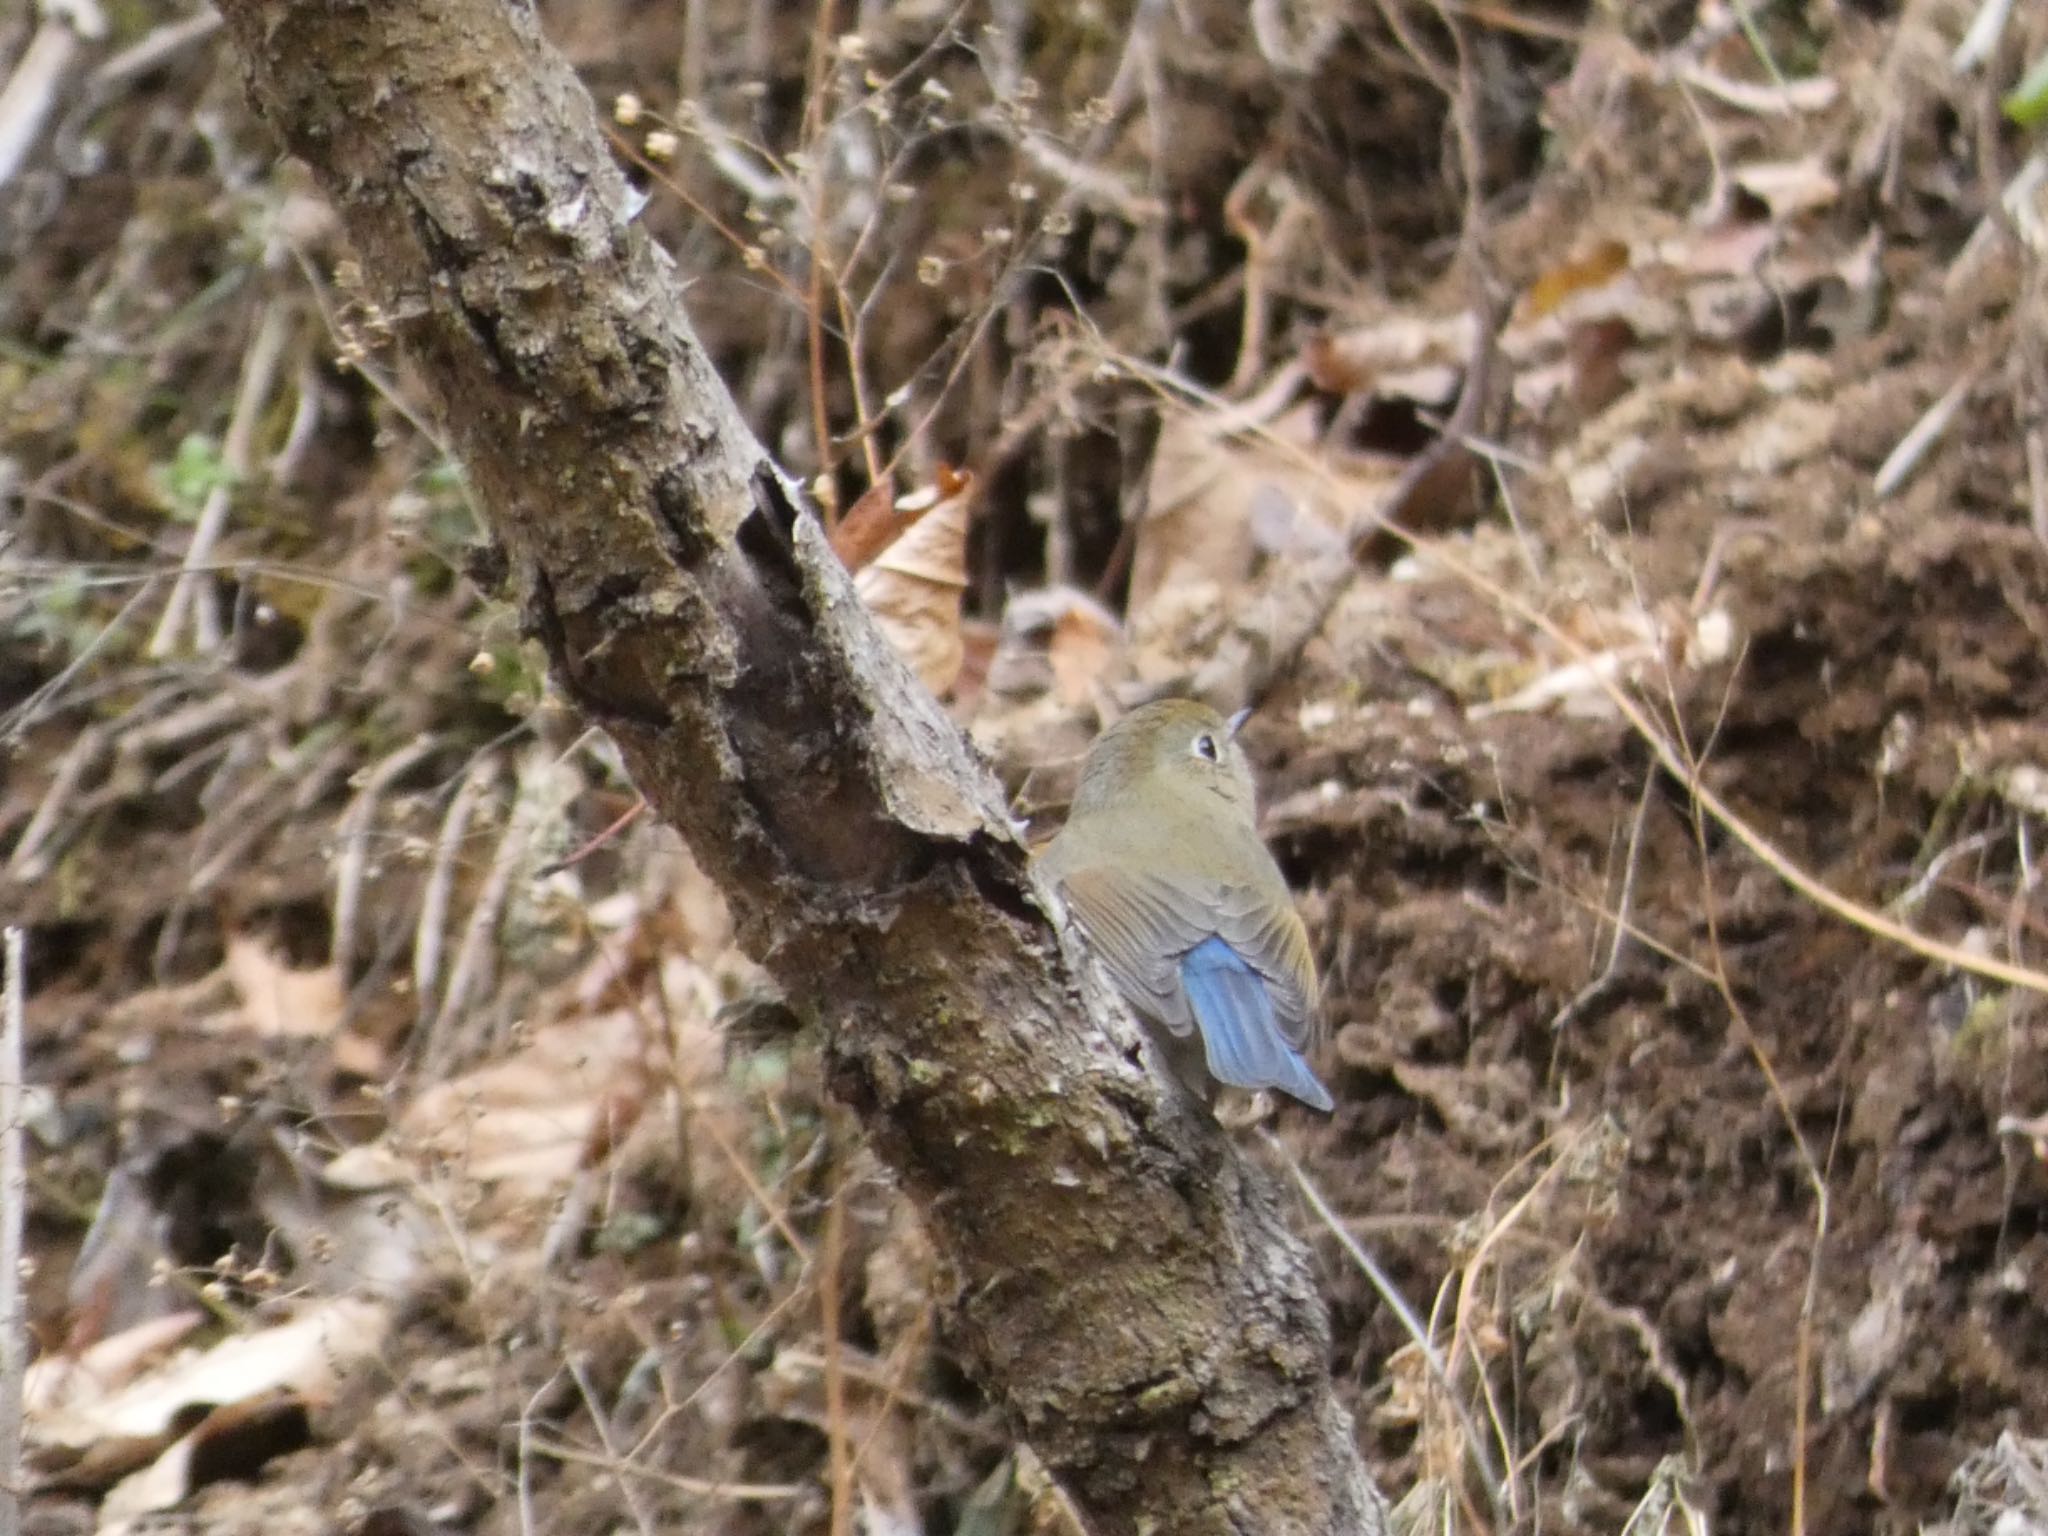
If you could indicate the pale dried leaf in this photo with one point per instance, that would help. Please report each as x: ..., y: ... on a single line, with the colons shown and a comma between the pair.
x: 1085, y: 640
x: 525, y: 1122
x: 1790, y: 187
x: 279, y: 1002
x: 1056, y: 640
x: 1213, y: 486
x: 309, y: 1355
x: 161, y: 1485
x: 236, y: 1439
x: 913, y: 589
x: 56, y: 1381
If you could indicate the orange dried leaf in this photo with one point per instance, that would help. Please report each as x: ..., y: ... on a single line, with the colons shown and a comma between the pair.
x: 1607, y: 260
x: 880, y: 517
x: 870, y: 526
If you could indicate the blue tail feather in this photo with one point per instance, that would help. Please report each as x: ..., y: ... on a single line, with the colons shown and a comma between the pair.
x: 1240, y: 1033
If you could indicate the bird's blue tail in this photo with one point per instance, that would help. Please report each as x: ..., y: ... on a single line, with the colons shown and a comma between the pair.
x: 1240, y: 1034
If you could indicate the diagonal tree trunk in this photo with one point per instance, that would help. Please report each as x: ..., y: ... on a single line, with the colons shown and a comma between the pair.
x: 1124, y: 1288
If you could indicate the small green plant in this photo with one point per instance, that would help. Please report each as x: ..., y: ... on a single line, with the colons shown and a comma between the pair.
x: 2027, y: 104
x: 194, y: 473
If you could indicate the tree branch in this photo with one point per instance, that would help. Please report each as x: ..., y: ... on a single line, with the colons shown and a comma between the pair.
x: 1125, y: 1288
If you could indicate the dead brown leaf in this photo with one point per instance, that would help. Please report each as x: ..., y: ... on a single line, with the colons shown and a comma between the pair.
x: 913, y: 587
x: 527, y: 1123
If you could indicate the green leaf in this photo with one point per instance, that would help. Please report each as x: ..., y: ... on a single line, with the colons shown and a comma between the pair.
x: 196, y: 470
x: 2028, y: 103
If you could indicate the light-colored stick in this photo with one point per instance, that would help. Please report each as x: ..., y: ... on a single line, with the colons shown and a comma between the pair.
x: 32, y: 92
x: 13, y: 1212
x: 193, y: 596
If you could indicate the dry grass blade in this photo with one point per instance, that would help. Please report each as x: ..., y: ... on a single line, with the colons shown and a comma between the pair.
x: 14, y: 1336
x: 1497, y: 1486
x: 192, y: 597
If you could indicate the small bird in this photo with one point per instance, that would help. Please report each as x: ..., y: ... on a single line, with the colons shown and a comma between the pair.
x: 1160, y: 862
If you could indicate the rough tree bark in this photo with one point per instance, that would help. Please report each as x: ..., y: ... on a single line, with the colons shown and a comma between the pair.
x: 1124, y: 1288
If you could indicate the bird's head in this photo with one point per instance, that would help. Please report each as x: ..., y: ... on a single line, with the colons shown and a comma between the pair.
x: 1172, y: 751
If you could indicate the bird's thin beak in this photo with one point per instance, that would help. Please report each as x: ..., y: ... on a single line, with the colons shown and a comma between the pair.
x: 1236, y: 721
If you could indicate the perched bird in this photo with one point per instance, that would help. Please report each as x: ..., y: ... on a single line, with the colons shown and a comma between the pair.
x: 1160, y: 862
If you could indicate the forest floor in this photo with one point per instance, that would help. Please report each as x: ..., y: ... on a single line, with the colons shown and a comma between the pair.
x: 1641, y: 564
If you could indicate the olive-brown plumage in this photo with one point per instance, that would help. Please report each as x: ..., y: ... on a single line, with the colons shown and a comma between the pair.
x: 1160, y: 862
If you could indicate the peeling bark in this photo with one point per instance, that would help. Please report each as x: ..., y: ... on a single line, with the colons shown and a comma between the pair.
x: 1123, y: 1285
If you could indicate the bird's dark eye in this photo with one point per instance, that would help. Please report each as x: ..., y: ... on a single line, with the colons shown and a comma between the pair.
x: 1205, y: 747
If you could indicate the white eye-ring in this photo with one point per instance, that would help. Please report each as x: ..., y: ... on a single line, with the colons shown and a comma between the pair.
x: 1205, y: 748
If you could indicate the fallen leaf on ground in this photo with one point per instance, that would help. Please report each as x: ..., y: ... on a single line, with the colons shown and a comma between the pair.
x: 309, y: 1355
x: 913, y: 587
x: 279, y: 1002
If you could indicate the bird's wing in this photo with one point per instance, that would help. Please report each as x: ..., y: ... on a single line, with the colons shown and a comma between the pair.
x: 1190, y: 954
x: 1140, y: 929
x: 1263, y: 927
x: 1234, y: 1005
x: 1142, y: 924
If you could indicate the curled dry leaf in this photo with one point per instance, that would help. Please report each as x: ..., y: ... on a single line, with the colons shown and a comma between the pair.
x: 309, y: 1355
x: 871, y: 525
x: 232, y: 1441
x: 913, y: 586
x: 526, y: 1123
x: 880, y: 517
x: 55, y: 1381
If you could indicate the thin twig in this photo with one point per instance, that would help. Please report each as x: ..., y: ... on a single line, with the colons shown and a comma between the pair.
x: 600, y: 1422
x: 427, y: 939
x: 29, y: 862
x: 838, y: 1440
x: 818, y: 72
x: 2037, y: 482
x: 156, y: 48
x: 351, y: 868
x: 1411, y: 1324
x: 50, y: 695
x: 33, y: 90
x: 476, y: 954
x: 739, y: 1493
x: 1802, y: 1374
x: 1600, y: 985
x: 192, y: 594
x: 13, y: 1212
